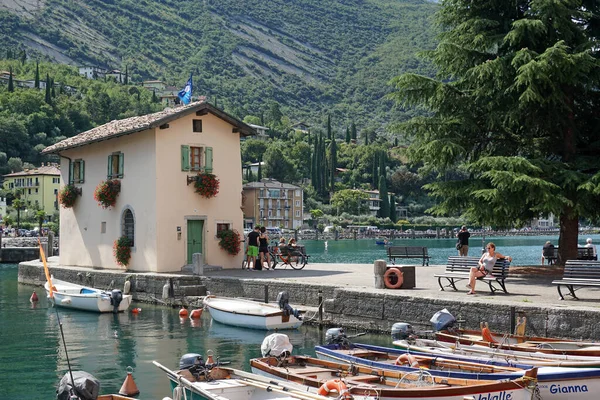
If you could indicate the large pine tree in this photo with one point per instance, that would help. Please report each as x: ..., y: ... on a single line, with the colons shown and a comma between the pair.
x: 513, y: 112
x: 333, y: 159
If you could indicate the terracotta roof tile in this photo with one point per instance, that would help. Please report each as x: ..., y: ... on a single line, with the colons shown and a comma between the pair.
x: 44, y: 170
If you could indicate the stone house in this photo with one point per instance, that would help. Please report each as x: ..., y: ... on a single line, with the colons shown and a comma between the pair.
x: 156, y: 158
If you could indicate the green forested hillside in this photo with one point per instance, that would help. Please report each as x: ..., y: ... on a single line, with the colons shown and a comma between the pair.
x: 313, y: 57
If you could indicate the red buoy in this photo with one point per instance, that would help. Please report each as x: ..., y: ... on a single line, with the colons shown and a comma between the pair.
x: 183, y: 312
x: 136, y: 310
x: 129, y: 387
x: 34, y: 297
x: 195, y: 314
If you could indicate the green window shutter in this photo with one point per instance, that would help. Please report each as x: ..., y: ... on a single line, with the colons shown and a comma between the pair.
x: 109, y: 170
x: 185, y: 157
x: 209, y: 160
x: 121, y: 164
x: 71, y: 177
x: 81, y: 171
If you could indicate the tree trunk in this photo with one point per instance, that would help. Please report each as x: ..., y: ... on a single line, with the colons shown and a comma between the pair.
x: 569, y: 231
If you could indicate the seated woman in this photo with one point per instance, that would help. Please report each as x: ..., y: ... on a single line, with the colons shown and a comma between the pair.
x: 548, y: 253
x: 292, y: 242
x: 485, y: 265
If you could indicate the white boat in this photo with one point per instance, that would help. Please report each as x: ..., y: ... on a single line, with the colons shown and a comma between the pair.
x: 71, y: 295
x: 252, y: 314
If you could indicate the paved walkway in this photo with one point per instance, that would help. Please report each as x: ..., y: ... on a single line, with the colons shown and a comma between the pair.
x: 523, y: 289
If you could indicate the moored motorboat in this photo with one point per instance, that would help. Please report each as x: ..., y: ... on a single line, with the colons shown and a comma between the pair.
x: 579, y: 383
x: 252, y: 314
x: 71, y: 295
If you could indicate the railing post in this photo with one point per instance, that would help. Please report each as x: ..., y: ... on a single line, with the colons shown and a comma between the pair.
x: 512, y: 319
x: 320, y: 299
x: 266, y: 294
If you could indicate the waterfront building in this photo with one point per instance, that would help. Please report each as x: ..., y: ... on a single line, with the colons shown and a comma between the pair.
x: 38, y: 187
x: 157, y: 159
x: 273, y: 204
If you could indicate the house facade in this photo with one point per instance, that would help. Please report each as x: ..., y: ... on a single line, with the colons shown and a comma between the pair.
x: 273, y: 204
x: 38, y: 187
x: 156, y: 158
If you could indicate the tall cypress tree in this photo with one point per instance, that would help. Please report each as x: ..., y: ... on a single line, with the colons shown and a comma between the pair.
x: 366, y: 134
x: 37, y: 75
x: 333, y: 156
x: 11, y: 85
x: 353, y: 131
x: 259, y: 172
x: 23, y: 57
x: 126, y: 76
x: 384, y: 204
x: 313, y: 167
x: 347, y: 135
x: 329, y: 126
x: 325, y: 169
x: 52, y: 91
x: 393, y: 215
x: 374, y: 173
x: 48, y: 99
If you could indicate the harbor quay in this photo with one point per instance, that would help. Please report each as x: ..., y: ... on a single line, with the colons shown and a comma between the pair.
x: 346, y: 296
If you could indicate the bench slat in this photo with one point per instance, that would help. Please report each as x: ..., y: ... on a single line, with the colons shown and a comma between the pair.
x: 408, y: 252
x: 578, y: 273
x: 458, y: 268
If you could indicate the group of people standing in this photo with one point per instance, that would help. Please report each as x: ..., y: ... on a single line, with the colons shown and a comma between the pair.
x: 258, y: 248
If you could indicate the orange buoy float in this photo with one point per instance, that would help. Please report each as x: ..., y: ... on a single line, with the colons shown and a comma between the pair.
x: 183, y: 312
x: 393, y: 278
x: 195, y: 314
x: 129, y: 388
x: 136, y: 310
x: 335, y: 385
x: 34, y: 297
x: 407, y: 359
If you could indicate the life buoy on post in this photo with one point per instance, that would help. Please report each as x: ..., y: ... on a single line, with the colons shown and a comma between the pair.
x: 407, y: 359
x: 393, y: 278
x: 336, y: 385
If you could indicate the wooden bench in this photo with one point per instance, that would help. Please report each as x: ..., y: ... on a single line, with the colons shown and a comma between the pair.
x: 583, y: 253
x: 577, y: 275
x: 458, y: 268
x: 408, y: 252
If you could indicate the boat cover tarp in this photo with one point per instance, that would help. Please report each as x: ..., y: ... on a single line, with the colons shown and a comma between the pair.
x: 87, y: 386
x: 275, y: 345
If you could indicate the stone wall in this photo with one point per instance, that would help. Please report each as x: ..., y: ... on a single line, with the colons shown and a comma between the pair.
x: 348, y: 307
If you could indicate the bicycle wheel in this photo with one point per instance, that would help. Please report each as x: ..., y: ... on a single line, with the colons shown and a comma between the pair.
x: 298, y: 262
x: 273, y: 260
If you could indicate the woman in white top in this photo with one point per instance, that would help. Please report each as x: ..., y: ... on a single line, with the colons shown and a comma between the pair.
x: 590, y: 245
x: 485, y: 266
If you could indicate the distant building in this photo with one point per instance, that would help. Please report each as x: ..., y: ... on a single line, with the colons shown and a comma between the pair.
x: 261, y: 130
x: 92, y: 71
x: 38, y: 187
x: 271, y: 203
x: 2, y: 207
x: 253, y: 168
x: 302, y: 127
x: 115, y: 74
x: 543, y: 222
x: 166, y: 94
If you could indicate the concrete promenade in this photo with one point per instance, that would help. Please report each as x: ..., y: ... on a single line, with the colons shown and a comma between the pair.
x: 350, y: 299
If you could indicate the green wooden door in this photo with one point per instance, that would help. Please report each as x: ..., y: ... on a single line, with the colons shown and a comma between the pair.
x: 194, y: 238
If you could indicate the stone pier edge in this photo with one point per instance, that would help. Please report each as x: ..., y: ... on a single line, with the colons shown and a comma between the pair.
x: 350, y: 307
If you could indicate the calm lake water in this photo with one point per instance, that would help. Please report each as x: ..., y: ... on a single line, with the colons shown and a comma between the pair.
x: 32, y: 356
x: 525, y: 250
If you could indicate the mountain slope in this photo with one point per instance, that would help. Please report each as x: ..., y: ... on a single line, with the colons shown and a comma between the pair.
x: 311, y: 56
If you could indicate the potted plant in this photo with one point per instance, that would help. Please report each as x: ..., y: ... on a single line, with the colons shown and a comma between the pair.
x: 207, y: 185
x: 122, y: 250
x: 68, y: 195
x: 106, y: 193
x: 229, y: 240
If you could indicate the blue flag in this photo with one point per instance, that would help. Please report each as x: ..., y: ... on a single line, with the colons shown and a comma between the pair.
x: 185, y: 94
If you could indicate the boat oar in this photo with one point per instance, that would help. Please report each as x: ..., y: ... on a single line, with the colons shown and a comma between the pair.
x: 283, y: 390
x: 269, y: 382
x: 187, y: 384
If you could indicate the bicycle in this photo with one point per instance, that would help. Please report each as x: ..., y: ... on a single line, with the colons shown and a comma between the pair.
x: 294, y: 256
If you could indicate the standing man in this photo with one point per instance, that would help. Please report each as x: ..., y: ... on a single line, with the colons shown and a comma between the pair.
x: 252, y: 251
x: 463, y: 238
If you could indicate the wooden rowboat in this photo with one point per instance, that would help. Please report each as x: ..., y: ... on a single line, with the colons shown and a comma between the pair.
x: 363, y: 381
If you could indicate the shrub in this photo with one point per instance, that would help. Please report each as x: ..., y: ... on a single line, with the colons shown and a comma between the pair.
x: 68, y: 195
x: 122, y: 250
x: 106, y: 193
x: 207, y: 185
x: 229, y: 241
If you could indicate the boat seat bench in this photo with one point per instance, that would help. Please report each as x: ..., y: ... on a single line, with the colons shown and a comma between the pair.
x: 577, y: 275
x: 458, y: 269
x: 408, y: 252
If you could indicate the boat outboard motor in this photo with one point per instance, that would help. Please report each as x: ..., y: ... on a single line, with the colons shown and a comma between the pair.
x: 190, y: 360
x: 338, y: 336
x: 283, y: 299
x: 86, y: 387
x: 442, y: 320
x: 402, y: 331
x: 116, y: 296
x: 276, y: 345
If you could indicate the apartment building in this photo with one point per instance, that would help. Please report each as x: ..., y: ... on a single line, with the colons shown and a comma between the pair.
x: 38, y: 187
x: 271, y: 203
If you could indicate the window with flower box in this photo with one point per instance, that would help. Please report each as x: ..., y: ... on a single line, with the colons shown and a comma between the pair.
x: 77, y: 171
x: 115, y: 166
x: 223, y: 226
x: 197, y: 158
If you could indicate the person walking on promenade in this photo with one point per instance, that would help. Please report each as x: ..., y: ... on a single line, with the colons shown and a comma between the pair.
x: 252, y: 252
x: 485, y: 266
x: 463, y: 240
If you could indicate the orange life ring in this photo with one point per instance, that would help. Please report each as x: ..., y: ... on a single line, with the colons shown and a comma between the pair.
x: 336, y: 385
x: 387, y: 278
x: 407, y: 359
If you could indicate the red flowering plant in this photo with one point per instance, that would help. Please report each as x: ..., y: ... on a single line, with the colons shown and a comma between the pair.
x: 122, y: 250
x: 230, y: 241
x: 106, y: 193
x: 68, y: 195
x: 207, y: 185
